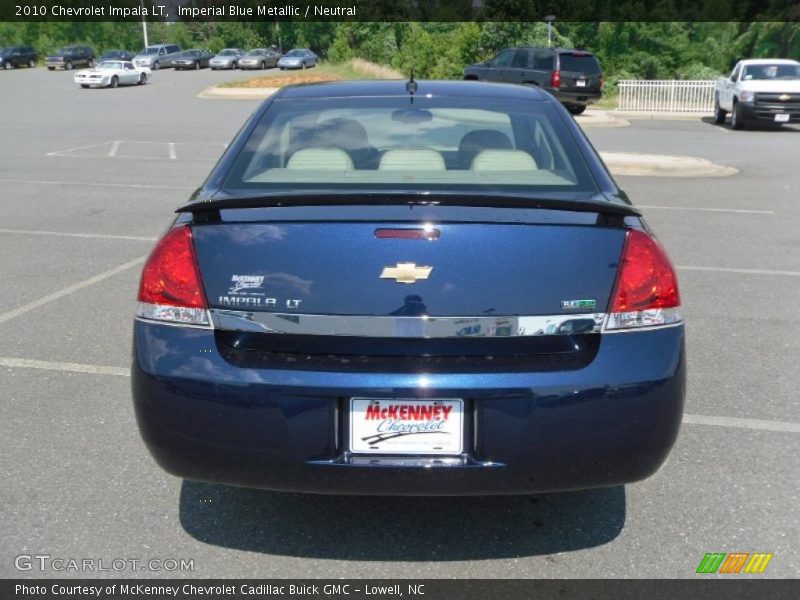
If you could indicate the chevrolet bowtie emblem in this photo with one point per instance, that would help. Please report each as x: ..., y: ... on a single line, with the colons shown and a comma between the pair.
x: 406, y: 272
x: 784, y: 97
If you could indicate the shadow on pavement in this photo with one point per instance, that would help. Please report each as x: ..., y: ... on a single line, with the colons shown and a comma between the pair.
x: 397, y: 528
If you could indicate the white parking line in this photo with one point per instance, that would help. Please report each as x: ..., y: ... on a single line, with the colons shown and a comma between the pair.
x: 742, y: 211
x: 63, y: 366
x: 21, y: 310
x: 741, y: 271
x: 138, y: 186
x: 99, y: 236
x: 68, y: 150
x: 114, y: 148
x: 172, y: 154
x: 782, y: 426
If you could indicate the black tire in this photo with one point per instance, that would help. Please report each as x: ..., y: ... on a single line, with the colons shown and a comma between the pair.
x: 84, y: 86
x: 197, y: 66
x: 8, y: 66
x: 304, y: 65
x: 736, y: 118
x: 51, y: 68
x: 32, y: 64
x: 156, y: 66
x: 90, y: 63
x: 68, y: 66
x: 263, y: 65
x: 114, y: 82
x: 576, y: 110
x: 142, y: 79
x: 234, y: 65
x: 719, y: 114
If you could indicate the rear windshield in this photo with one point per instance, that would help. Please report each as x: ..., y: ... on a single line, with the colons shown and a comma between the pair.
x: 362, y: 144
x: 579, y: 63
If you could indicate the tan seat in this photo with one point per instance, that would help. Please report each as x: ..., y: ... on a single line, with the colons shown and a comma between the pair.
x: 412, y: 159
x: 503, y: 160
x: 320, y: 159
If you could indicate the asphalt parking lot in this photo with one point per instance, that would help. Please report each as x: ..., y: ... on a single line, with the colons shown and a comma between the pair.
x: 88, y: 180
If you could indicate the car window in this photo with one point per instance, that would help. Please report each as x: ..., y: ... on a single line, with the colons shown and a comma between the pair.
x: 520, y: 59
x: 771, y: 71
x: 578, y: 63
x: 735, y: 73
x: 503, y: 59
x: 360, y: 143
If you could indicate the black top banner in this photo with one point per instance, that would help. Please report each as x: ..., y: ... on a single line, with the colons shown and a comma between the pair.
x: 410, y: 589
x: 400, y: 10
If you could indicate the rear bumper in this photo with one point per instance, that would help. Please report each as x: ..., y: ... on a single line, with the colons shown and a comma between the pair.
x: 576, y: 98
x: 610, y: 423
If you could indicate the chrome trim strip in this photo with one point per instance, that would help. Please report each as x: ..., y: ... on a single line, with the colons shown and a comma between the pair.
x: 405, y: 327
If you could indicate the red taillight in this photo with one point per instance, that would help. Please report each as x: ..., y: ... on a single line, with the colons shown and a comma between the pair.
x: 555, y: 79
x: 646, y: 293
x: 170, y: 276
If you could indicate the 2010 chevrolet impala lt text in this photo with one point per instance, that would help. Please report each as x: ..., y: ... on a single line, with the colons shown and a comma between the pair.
x: 409, y: 287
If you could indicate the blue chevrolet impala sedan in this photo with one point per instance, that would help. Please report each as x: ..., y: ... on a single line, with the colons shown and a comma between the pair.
x: 409, y: 288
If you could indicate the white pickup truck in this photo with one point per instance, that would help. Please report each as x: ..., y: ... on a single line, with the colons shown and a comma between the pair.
x: 759, y: 90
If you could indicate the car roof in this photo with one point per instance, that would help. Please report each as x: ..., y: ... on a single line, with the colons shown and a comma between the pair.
x: 396, y: 87
x: 769, y: 61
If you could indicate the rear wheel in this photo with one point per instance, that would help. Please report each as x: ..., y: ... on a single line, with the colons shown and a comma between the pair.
x: 304, y: 64
x: 263, y: 65
x: 31, y: 63
x: 197, y: 66
x: 719, y: 114
x: 576, y: 110
x: 114, y: 81
x: 51, y: 68
x: 736, y: 117
x: 234, y: 65
x: 84, y: 86
x: 8, y: 66
x: 68, y: 66
x: 156, y: 66
x: 142, y: 79
x: 90, y: 63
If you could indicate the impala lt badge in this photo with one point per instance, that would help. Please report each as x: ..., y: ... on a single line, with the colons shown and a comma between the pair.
x: 406, y: 272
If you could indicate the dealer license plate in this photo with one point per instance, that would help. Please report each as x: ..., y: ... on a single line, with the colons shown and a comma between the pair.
x: 406, y: 426
x: 782, y: 118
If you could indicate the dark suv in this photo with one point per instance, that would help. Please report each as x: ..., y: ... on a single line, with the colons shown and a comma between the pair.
x: 572, y: 76
x: 71, y: 56
x: 18, y: 56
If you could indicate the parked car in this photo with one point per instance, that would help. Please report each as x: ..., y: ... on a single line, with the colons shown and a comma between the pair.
x: 192, y: 59
x: 449, y: 296
x: 759, y: 90
x: 116, y: 55
x: 572, y: 76
x: 18, y: 56
x: 260, y: 58
x: 227, y: 58
x: 299, y: 58
x: 157, y: 57
x: 112, y: 73
x: 70, y: 57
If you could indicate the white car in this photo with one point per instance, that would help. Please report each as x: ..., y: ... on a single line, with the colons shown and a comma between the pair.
x: 111, y: 73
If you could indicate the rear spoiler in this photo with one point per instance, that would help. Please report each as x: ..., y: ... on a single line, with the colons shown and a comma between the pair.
x: 202, y: 208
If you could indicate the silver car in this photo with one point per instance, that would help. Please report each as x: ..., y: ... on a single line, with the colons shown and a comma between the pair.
x: 260, y: 58
x: 158, y: 56
x: 299, y: 58
x: 228, y: 58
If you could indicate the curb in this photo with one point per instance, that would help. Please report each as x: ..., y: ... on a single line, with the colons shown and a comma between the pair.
x: 662, y: 165
x: 600, y: 118
x: 237, y: 93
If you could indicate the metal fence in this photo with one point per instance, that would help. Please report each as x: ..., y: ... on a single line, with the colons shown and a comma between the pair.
x: 696, y: 96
